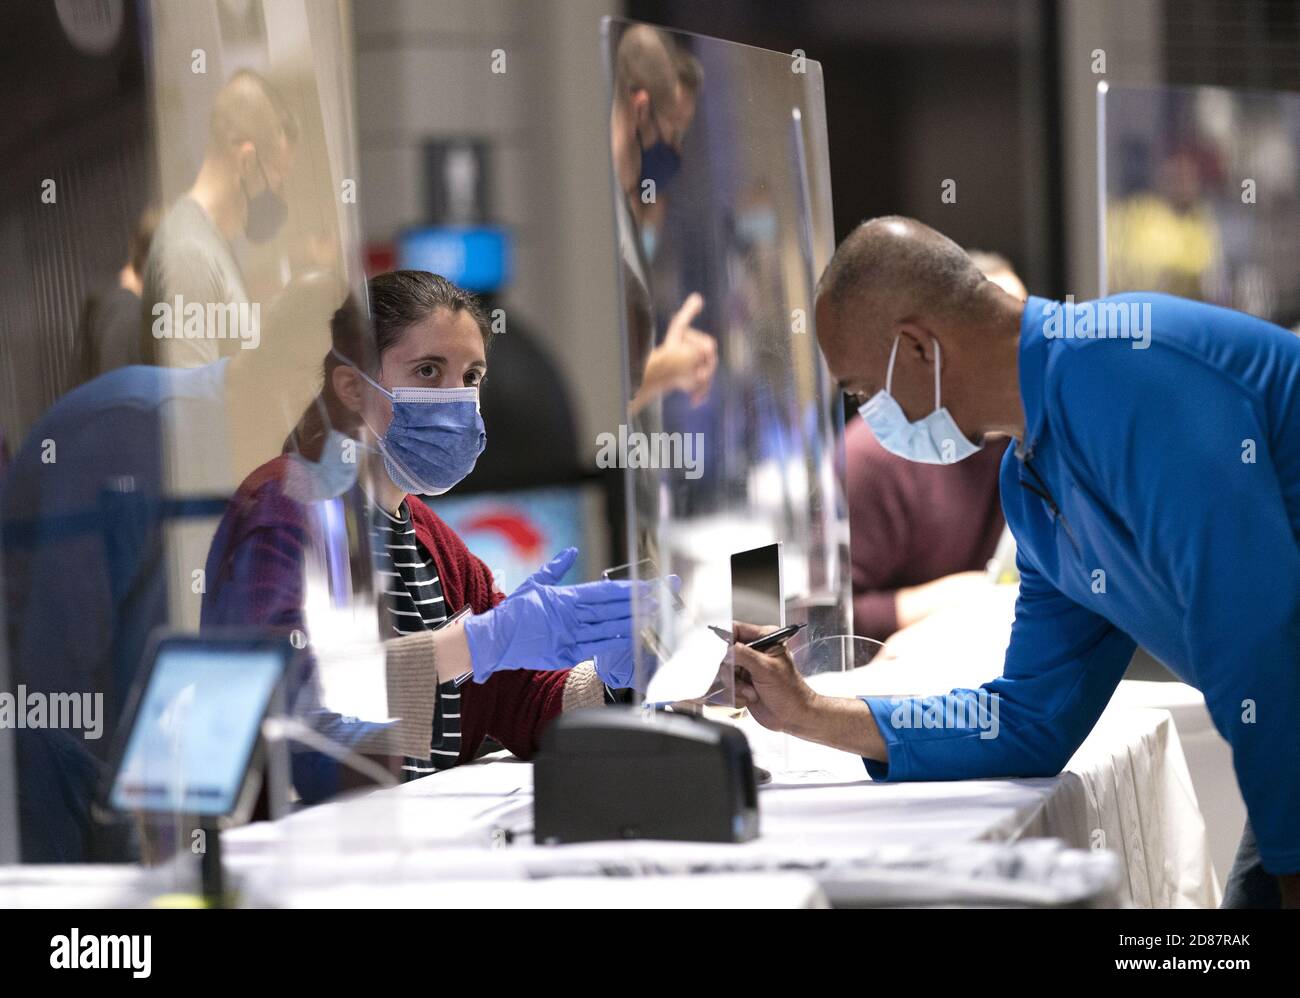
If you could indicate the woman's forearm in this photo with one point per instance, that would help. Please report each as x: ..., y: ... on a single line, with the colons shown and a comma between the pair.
x: 451, y: 652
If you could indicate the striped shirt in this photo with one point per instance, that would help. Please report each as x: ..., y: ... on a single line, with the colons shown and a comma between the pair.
x: 411, y: 601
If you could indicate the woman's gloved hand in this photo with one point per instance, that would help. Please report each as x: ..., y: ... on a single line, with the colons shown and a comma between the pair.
x: 553, y: 571
x: 543, y: 625
x: 617, y: 667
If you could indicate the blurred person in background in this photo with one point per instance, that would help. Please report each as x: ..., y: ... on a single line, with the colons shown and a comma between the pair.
x: 1167, y: 239
x: 921, y: 535
x: 91, y: 566
x: 239, y: 191
x: 656, y: 87
x: 109, y: 503
x: 109, y: 327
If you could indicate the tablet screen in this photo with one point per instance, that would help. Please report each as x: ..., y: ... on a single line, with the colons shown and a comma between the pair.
x: 195, y: 729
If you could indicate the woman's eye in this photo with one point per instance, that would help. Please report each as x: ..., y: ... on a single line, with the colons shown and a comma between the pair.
x: 473, y: 379
x: 427, y: 370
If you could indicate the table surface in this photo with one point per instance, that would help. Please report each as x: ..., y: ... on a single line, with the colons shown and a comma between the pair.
x: 1126, y: 789
x: 965, y: 645
x: 437, y: 840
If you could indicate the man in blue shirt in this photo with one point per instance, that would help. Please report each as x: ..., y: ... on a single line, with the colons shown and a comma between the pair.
x: 1153, y: 488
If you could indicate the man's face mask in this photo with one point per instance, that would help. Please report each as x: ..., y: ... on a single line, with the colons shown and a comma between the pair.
x: 267, y: 210
x: 649, y: 239
x: 660, y: 163
x: 936, y: 439
x: 756, y: 227
x: 435, y: 436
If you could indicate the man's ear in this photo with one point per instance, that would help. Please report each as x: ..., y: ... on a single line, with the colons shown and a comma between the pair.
x: 347, y: 387
x: 245, y: 157
x: 916, y: 340
x: 641, y: 107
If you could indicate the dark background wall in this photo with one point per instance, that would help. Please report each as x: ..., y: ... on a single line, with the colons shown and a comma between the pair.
x: 81, y: 119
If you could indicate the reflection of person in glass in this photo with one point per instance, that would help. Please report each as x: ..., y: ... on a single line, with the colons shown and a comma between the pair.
x: 130, y: 444
x: 143, y: 454
x: 405, y: 426
x: 109, y: 326
x: 239, y: 190
x: 655, y: 89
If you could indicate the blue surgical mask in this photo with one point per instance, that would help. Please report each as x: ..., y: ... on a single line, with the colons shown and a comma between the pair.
x: 936, y: 439
x: 756, y: 228
x: 649, y: 239
x: 435, y: 436
x: 660, y: 163
x: 331, y: 475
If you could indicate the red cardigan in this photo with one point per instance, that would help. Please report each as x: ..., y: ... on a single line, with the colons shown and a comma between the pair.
x: 255, y: 578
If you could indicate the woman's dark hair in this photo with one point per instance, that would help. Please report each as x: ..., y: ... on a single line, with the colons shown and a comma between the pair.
x: 399, y: 300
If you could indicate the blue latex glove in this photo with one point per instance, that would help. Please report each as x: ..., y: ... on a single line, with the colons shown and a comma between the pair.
x: 542, y: 625
x: 617, y: 666
x: 553, y: 571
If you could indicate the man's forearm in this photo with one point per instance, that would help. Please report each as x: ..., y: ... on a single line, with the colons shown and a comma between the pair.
x: 844, y: 723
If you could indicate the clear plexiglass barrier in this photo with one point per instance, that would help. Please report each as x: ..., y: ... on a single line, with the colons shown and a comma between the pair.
x: 1200, y: 196
x: 731, y: 441
x: 181, y: 477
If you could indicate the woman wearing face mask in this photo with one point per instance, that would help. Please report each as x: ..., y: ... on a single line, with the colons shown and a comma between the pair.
x: 415, y: 420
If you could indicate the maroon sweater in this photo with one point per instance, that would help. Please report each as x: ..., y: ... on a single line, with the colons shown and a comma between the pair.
x: 912, y: 523
x: 255, y: 578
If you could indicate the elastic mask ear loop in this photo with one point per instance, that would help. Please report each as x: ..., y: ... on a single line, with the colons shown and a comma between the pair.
x: 379, y: 440
x: 889, y: 372
x: 389, y: 395
x: 365, y: 422
x: 938, y: 362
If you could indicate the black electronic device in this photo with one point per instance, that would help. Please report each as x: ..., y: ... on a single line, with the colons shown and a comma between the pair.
x: 622, y: 773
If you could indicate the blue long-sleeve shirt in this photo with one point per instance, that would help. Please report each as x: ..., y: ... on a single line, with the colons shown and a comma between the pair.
x: 1155, y: 497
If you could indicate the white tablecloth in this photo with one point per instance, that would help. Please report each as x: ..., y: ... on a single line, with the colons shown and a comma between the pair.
x: 77, y: 887
x: 1209, y: 761
x: 965, y: 646
x: 821, y: 809
x: 1126, y: 790
x: 431, y: 840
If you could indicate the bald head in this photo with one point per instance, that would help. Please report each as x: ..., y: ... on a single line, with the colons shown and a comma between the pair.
x: 644, y: 61
x: 645, y: 98
x: 249, y: 109
x: 892, y: 269
x: 898, y: 288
